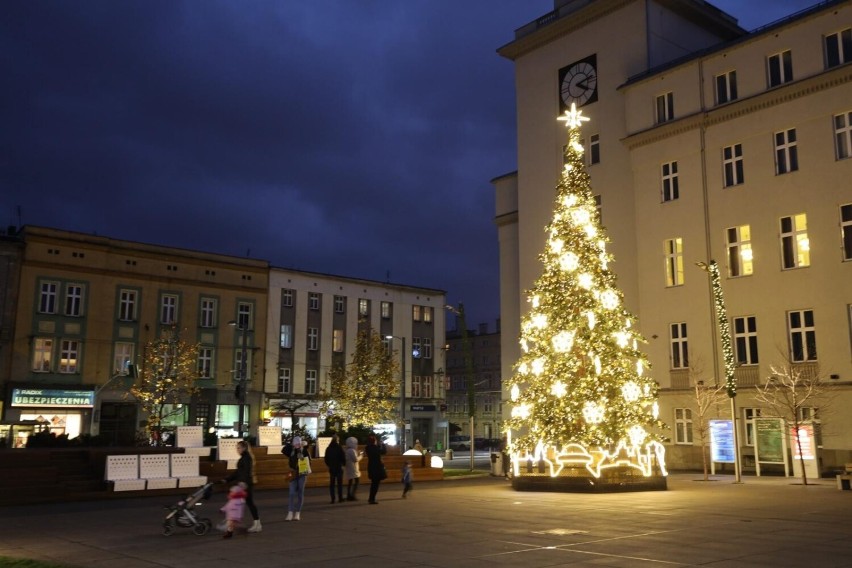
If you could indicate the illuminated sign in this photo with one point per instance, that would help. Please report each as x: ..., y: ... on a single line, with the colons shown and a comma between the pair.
x: 52, y: 398
x: 722, y: 441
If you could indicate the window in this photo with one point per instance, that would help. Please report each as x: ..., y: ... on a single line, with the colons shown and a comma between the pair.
x: 838, y: 48
x: 168, y: 309
x: 426, y: 386
x: 311, y: 382
x: 745, y: 340
x: 337, y: 341
x: 810, y: 415
x: 683, y: 425
x: 123, y: 357
x: 846, y: 230
x: 284, y: 381
x: 749, y: 414
x: 415, y: 386
x: 732, y: 165
x: 313, y: 339
x: 779, y: 68
x: 74, y: 300
x: 665, y: 107
x: 739, y: 251
x: 802, y: 336
x: 287, y: 298
x: 244, y: 310
x: 339, y: 305
x: 386, y: 343
x: 127, y: 305
x: 205, y: 362
x: 680, y: 351
x: 363, y: 307
x: 670, y: 186
x: 674, y: 262
x: 68, y: 354
x: 786, y: 154
x: 594, y: 149
x: 843, y: 135
x: 416, y: 348
x: 238, y: 364
x: 386, y: 310
x: 42, y: 354
x: 208, y: 312
x: 47, y: 301
x: 427, y: 314
x: 726, y: 87
x: 795, y: 247
x: 286, y: 337
x: 313, y: 301
x: 415, y: 313
x: 427, y: 347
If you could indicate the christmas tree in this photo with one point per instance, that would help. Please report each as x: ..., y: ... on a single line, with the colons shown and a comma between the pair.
x: 580, y: 395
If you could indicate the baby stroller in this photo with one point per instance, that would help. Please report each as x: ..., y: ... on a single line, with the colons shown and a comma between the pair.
x: 182, y: 513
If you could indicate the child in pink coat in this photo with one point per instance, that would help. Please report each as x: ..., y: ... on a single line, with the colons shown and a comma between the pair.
x: 233, y: 509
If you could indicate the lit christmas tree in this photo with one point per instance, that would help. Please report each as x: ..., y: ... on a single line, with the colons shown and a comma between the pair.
x: 580, y: 395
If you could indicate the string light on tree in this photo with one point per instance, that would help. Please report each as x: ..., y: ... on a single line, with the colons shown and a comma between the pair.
x: 580, y: 397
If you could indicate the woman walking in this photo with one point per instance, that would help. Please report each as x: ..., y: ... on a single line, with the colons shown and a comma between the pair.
x: 300, y: 468
x: 245, y: 474
x: 375, y: 468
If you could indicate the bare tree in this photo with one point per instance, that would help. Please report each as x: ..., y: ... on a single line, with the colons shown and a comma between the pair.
x: 707, y: 397
x: 792, y: 387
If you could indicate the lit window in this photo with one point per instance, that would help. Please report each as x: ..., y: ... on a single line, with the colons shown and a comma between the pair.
x: 426, y: 384
x: 802, y: 332
x: 795, y: 246
x: 205, y: 362
x: 415, y: 313
x: 42, y: 354
x: 779, y: 68
x: 739, y: 251
x: 337, y: 341
x: 732, y: 165
x: 386, y: 310
x: 415, y: 386
x: 427, y: 314
x: 363, y: 307
x: 286, y: 336
x: 674, y: 262
x: 68, y: 356
x: 123, y: 357
x: 786, y: 152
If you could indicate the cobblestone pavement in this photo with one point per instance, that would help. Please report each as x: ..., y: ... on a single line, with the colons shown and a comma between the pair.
x: 473, y: 522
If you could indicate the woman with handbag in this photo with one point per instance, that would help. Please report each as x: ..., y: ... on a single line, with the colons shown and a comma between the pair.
x: 375, y: 468
x: 300, y: 468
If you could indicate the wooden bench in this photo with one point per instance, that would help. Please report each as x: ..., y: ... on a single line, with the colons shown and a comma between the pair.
x: 844, y: 480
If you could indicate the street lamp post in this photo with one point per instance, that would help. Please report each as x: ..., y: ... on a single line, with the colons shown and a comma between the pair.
x: 241, y: 379
x: 401, y: 392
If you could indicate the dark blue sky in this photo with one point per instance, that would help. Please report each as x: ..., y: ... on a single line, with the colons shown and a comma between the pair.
x: 347, y: 137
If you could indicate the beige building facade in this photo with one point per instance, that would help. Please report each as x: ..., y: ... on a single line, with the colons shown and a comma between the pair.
x: 705, y: 143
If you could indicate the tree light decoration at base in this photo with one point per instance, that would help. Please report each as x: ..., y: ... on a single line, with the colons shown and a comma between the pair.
x: 580, y: 398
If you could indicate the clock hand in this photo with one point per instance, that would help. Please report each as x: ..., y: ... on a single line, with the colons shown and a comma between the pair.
x: 584, y: 84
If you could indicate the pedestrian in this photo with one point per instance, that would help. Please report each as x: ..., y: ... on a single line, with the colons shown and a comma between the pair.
x: 352, y: 472
x: 407, y: 477
x: 418, y: 446
x: 300, y: 468
x: 375, y: 468
x: 335, y: 459
x: 245, y: 474
x: 233, y: 509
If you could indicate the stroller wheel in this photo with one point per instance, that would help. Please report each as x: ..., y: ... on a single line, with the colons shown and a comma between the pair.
x: 201, y: 528
x: 168, y: 529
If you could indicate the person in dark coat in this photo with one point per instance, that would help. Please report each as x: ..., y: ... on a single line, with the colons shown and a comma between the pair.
x: 335, y: 459
x: 375, y: 468
x: 245, y: 474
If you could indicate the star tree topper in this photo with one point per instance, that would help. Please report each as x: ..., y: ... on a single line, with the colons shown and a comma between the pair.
x: 573, y: 118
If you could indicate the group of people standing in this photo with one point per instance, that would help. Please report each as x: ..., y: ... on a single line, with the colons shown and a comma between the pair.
x: 343, y: 467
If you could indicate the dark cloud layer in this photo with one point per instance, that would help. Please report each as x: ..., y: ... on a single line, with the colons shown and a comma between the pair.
x: 351, y: 138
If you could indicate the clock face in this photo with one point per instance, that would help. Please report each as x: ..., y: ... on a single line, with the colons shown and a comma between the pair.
x: 578, y: 83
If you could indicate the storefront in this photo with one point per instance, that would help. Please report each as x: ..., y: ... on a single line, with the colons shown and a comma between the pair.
x: 60, y: 410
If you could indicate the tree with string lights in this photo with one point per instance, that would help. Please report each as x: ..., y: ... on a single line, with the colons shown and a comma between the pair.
x: 581, y: 400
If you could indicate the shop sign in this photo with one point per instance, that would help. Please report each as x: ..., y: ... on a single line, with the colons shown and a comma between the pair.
x: 423, y: 407
x: 52, y: 398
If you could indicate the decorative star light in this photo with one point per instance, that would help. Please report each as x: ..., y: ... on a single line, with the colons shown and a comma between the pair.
x: 540, y: 321
x: 621, y: 338
x: 640, y: 368
x: 631, y: 391
x: 592, y: 319
x: 556, y: 245
x: 637, y: 435
x: 559, y: 389
x: 516, y: 393
x: 593, y: 412
x: 586, y: 280
x: 574, y: 117
x: 563, y: 341
x: 569, y: 261
x: 581, y: 216
x: 569, y: 200
x: 523, y: 368
x: 609, y: 299
x: 538, y: 366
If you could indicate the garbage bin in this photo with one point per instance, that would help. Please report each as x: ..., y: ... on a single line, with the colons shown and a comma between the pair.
x: 497, y: 464
x: 448, y: 454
